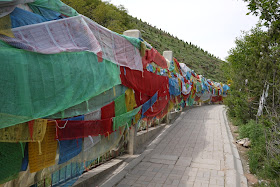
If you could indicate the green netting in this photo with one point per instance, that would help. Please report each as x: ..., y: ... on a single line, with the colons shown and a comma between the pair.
x: 120, y: 107
x: 55, y: 5
x: 134, y: 41
x: 123, y: 119
x: 4, y: 45
x: 10, y: 160
x: 92, y: 104
x: 36, y: 85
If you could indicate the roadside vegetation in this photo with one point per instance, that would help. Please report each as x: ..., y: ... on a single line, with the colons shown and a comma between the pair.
x: 253, y: 69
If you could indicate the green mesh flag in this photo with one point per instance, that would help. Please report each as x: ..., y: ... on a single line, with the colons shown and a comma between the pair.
x: 36, y: 85
x: 4, y: 45
x: 55, y: 5
x: 92, y: 104
x: 171, y: 67
x: 123, y: 119
x: 134, y: 41
x: 120, y: 107
x: 11, y: 155
x: 190, y: 101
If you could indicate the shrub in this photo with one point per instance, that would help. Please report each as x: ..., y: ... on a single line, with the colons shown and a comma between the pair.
x: 259, y: 161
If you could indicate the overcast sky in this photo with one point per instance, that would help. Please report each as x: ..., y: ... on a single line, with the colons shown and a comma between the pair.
x: 211, y: 24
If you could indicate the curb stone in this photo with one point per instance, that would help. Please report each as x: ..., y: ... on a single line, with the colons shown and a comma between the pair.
x: 234, y: 172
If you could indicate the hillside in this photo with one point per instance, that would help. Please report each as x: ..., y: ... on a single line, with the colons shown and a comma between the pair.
x: 117, y: 19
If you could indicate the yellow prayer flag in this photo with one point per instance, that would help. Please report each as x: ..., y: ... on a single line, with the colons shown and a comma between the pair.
x: 21, y: 132
x: 170, y: 106
x: 130, y: 101
x: 48, y: 148
x: 137, y: 118
x: 6, y: 26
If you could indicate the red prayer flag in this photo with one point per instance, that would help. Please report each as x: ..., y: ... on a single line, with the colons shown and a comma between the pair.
x: 108, y: 111
x: 145, y: 82
x: 69, y: 130
x: 196, y: 98
x: 154, y: 56
x: 215, y: 99
x: 159, y: 105
x: 178, y: 66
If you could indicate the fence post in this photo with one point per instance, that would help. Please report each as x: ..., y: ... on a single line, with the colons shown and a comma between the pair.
x: 169, y: 56
x: 133, y: 33
x: 133, y: 131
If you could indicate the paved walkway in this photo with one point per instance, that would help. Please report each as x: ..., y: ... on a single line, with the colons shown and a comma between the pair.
x: 197, y: 151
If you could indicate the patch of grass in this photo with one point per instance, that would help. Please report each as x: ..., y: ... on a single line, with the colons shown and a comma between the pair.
x: 237, y: 122
x: 260, y: 163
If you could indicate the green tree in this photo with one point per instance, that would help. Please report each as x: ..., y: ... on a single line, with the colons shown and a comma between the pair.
x: 248, y: 61
x: 268, y: 10
x: 254, y: 64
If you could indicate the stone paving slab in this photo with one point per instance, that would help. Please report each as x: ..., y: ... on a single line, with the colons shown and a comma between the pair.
x: 184, y: 161
x: 197, y: 151
x: 165, y: 157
